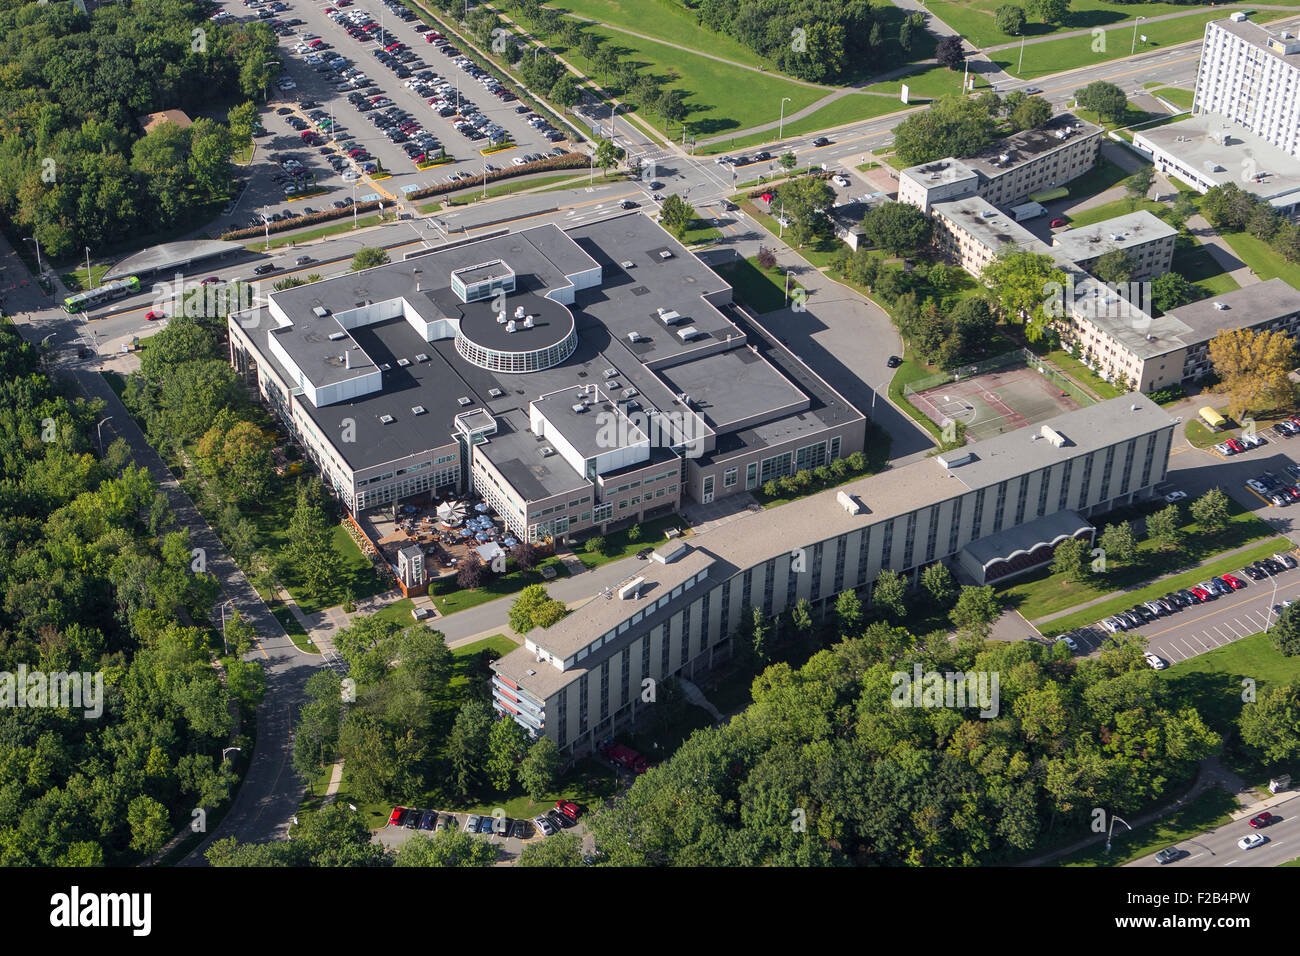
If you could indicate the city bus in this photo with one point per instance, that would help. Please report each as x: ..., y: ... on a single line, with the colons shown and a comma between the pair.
x: 105, y: 293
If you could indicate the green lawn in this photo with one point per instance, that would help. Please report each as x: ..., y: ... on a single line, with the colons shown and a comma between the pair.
x: 1101, y: 177
x: 926, y: 82
x: 1045, y: 593
x: 817, y: 254
x: 295, y: 630
x: 509, y: 187
x: 1085, y: 376
x: 1210, y: 809
x: 450, y: 597
x: 618, y: 545
x: 665, y: 20
x: 588, y: 784
x: 973, y: 19
x: 758, y: 288
x: 1095, y: 613
x: 1072, y: 53
x: 399, y: 612
x: 1200, y: 436
x: 910, y: 371
x: 1178, y: 97
x: 1120, y: 207
x: 710, y: 87
x: 343, y: 225
x: 76, y: 279
x: 1195, y: 264
x: 1258, y: 256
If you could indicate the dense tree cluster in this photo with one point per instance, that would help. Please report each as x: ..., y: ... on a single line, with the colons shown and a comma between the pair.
x: 75, y: 168
x: 952, y: 126
x: 1229, y: 208
x: 97, y: 578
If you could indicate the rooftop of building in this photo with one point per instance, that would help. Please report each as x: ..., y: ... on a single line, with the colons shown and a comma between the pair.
x: 988, y: 224
x: 171, y: 255
x: 1198, y: 145
x: 939, y: 172
x: 1122, y: 232
x: 1146, y: 336
x: 1006, y: 154
x: 1259, y: 36
x: 601, y: 417
x: 518, y: 455
x: 732, y: 386
x: 551, y: 322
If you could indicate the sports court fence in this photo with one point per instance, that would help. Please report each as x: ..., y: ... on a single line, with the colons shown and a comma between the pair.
x: 1005, y: 360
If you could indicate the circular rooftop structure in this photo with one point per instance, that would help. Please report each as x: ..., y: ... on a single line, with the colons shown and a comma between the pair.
x: 537, y: 333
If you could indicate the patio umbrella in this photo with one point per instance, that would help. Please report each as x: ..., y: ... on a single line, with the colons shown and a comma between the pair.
x: 510, y: 542
x: 480, y: 507
x: 452, y: 512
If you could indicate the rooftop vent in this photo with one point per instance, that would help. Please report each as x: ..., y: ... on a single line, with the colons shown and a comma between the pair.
x: 335, y: 336
x: 610, y: 372
x: 519, y: 312
x: 403, y: 362
x: 613, y: 385
x: 422, y: 357
x: 627, y: 264
x: 386, y: 419
x: 321, y: 311
x: 546, y: 451
x: 417, y: 409
x: 501, y: 317
x: 528, y: 321
x: 495, y: 392
x: 634, y: 336
x: 510, y: 326
x: 386, y: 367
x: 462, y: 401
x: 579, y: 408
x: 665, y: 254
x: 629, y: 392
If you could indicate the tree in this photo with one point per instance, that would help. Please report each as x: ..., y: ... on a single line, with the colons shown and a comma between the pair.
x: 1071, y: 559
x: 766, y: 258
x: 1169, y: 290
x: 1285, y: 632
x: 973, y: 323
x: 1140, y: 183
x: 149, y: 827
x: 1253, y: 367
x: 368, y: 257
x: 677, y: 214
x: 595, y: 545
x: 1271, y: 725
x: 311, y: 540
x: 446, y: 848
x: 634, y: 533
x: 671, y: 105
x: 975, y: 611
x: 1115, y: 267
x: 801, y: 616
x: 1031, y: 113
x: 950, y: 52
x: 540, y: 769
x: 565, y: 93
x: 1118, y: 543
x: 890, y: 592
x: 1010, y: 19
x: 898, y: 228
x: 804, y: 202
x: 471, y: 574
x: 787, y: 161
x: 951, y: 126
x: 848, y: 611
x: 1210, y: 510
x: 506, y: 747
x: 467, y: 746
x: 1164, y: 528
x: 905, y: 36
x: 607, y: 154
x: 1021, y: 282
x: 534, y: 608
x: 938, y: 583
x: 1053, y: 11
x: 1105, y: 99
x: 562, y: 849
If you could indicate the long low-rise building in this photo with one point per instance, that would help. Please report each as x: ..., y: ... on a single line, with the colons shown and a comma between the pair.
x: 573, y: 378
x: 996, y: 509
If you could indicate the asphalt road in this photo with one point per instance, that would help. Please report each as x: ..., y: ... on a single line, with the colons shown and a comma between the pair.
x: 1219, y: 847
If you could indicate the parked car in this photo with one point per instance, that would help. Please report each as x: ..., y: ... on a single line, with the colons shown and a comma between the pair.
x: 893, y: 362
x: 397, y: 817
x: 428, y: 820
x: 1156, y: 662
x: 568, y: 808
x: 1069, y: 642
x: 1234, y: 582
x: 519, y: 830
x: 1286, y: 560
x: 471, y: 823
x: 1175, y: 496
x: 559, y: 820
x: 1259, y: 821
x: 544, y: 825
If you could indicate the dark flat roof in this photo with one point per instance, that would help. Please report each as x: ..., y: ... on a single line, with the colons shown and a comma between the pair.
x: 551, y: 323
x: 734, y: 385
x: 516, y: 453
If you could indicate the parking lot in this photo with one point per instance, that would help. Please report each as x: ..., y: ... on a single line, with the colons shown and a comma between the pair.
x: 510, y: 835
x: 1202, y: 627
x: 329, y: 51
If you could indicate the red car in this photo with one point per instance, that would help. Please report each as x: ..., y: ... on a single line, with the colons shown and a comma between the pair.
x: 397, y: 816
x: 153, y: 314
x: 210, y: 280
x: 1057, y: 223
x: 1234, y: 582
x: 1202, y: 594
x: 568, y: 808
x: 1263, y: 820
x: 1236, y: 445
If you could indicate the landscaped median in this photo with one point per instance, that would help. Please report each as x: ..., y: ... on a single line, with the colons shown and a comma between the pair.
x: 1097, y: 612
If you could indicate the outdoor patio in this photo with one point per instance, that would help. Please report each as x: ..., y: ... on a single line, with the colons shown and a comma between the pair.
x: 449, y: 532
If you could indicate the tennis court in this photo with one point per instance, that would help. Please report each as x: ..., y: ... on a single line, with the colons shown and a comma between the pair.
x: 995, y: 402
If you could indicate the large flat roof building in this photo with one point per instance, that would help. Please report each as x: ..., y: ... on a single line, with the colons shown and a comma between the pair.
x: 1001, y: 513
x: 572, y: 377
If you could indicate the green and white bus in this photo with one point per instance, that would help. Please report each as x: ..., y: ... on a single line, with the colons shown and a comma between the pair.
x: 105, y: 293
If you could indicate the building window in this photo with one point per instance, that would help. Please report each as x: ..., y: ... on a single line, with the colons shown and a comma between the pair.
x: 751, y: 476
x: 730, y: 477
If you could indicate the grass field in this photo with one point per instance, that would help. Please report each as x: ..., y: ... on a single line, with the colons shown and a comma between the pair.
x: 343, y: 225
x: 297, y: 633
x: 1095, y: 613
x: 665, y: 20
x: 1120, y: 207
x: 1178, y: 97
x: 926, y: 82
x: 710, y: 86
x: 619, y: 545
x: 1266, y: 263
x: 508, y: 188
x: 76, y: 280
x: 1196, y: 265
x: 755, y: 286
x: 973, y: 19
x: 1085, y: 376
x: 1211, y: 808
x: 449, y: 597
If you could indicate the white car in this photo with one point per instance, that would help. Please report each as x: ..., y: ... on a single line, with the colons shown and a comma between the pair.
x: 1069, y: 642
x: 1175, y: 496
x: 544, y: 825
x: 1157, y: 663
x: 517, y: 161
x: 1223, y: 449
x: 1255, y: 485
x: 351, y: 176
x: 1252, y: 840
x: 1109, y: 625
x: 841, y: 181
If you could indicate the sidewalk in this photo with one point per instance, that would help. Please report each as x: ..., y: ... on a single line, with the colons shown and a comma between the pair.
x: 1114, y: 594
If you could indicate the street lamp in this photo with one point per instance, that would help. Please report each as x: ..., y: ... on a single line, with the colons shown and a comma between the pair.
x: 1133, y: 48
x: 99, y: 438
x: 226, y: 750
x: 1021, y: 68
x: 780, y: 127
x: 90, y: 279
x: 354, y: 204
x: 1109, y: 829
x: 39, y: 268
x: 224, y: 646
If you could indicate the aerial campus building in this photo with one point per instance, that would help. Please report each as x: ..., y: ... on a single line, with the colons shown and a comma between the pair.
x: 1245, y: 121
x: 993, y: 510
x: 573, y: 378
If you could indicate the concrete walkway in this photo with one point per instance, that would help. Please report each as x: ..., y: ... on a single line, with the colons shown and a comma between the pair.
x: 1047, y: 618
x: 332, y: 788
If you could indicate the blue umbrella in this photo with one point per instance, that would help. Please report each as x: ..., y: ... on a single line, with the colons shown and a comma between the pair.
x: 510, y: 542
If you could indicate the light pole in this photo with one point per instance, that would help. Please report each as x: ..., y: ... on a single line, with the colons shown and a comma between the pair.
x: 1109, y: 829
x: 99, y: 438
x: 354, y: 204
x: 780, y: 126
x: 1021, y: 67
x: 787, y: 286
x: 40, y: 269
x: 266, y: 225
x: 224, y: 646
x: 1133, y: 48
x: 1268, y: 621
x: 226, y: 750
x: 90, y: 279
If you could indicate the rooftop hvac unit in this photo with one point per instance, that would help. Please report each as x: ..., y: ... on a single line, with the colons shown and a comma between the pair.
x: 1054, y: 438
x: 386, y: 419
x: 629, y: 392
x: 610, y: 372
x: 634, y: 336
x: 422, y: 357
x: 1004, y: 158
x: 546, y: 451
x: 417, y: 409
x: 403, y: 362
x: 627, y: 264
x: 665, y: 254
x: 321, y: 311
x: 612, y: 385
x: 519, y: 312
x: 462, y: 401
x: 501, y: 317
x: 386, y: 367
x: 671, y: 317
x: 335, y: 336
x: 849, y: 503
x: 579, y: 408
x: 631, y: 590
x: 510, y: 326
x: 689, y: 333
x: 495, y: 392
x: 528, y: 321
